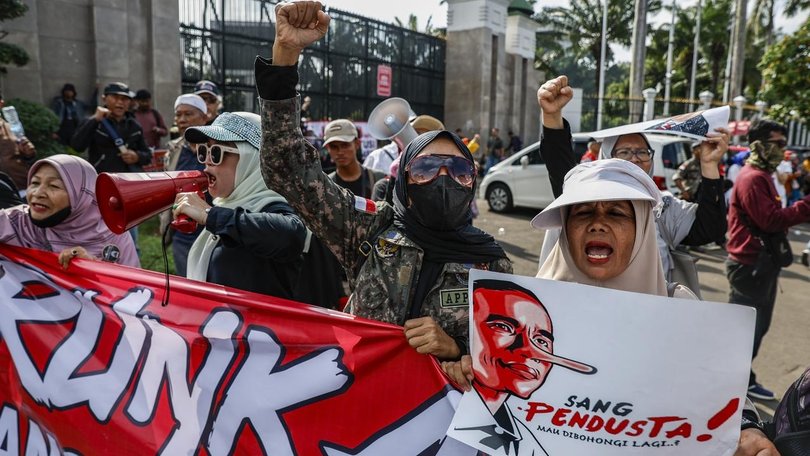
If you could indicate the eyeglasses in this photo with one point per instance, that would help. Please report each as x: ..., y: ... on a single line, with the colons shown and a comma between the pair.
x: 781, y: 143
x: 215, y: 152
x: 643, y: 155
x: 424, y: 169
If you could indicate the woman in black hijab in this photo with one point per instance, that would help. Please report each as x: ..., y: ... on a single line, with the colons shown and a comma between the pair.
x: 408, y: 262
x: 431, y: 237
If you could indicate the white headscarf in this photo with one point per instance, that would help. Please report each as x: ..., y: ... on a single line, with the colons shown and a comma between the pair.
x: 607, y: 180
x: 250, y: 192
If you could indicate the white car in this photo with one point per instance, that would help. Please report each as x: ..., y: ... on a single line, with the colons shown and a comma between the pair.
x: 522, y: 179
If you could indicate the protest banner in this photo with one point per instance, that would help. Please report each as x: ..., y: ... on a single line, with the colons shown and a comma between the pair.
x: 568, y: 369
x: 92, y: 363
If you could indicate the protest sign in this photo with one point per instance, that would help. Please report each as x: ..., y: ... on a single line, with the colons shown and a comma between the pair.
x: 568, y: 369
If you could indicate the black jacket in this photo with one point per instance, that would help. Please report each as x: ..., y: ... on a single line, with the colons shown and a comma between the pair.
x: 102, y: 152
x: 257, y: 251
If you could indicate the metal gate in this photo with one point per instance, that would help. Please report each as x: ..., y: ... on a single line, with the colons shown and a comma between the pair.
x: 221, y: 38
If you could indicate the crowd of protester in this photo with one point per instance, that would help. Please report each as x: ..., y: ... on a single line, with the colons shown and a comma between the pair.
x: 382, y: 236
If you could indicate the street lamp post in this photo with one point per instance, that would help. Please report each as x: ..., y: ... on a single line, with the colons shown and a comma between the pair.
x: 739, y: 102
x: 706, y: 98
x: 649, y: 103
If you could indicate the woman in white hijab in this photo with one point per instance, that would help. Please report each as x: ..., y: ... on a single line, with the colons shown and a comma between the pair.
x: 679, y: 221
x: 606, y: 218
x: 252, y: 239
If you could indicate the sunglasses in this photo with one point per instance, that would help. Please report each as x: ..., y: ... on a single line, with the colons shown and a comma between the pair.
x: 216, y: 153
x: 425, y: 169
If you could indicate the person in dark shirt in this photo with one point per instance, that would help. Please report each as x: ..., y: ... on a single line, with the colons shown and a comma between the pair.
x: 341, y: 140
x: 112, y: 137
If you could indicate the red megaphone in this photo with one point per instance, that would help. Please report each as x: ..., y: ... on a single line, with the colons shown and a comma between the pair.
x: 127, y: 199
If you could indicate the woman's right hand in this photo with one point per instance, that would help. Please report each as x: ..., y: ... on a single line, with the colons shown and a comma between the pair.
x: 73, y: 252
x: 552, y: 96
x: 459, y: 372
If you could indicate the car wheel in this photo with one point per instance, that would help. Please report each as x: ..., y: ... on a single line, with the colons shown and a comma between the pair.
x: 499, y: 198
x: 805, y: 260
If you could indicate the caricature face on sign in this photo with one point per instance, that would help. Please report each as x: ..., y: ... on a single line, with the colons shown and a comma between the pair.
x: 513, y: 347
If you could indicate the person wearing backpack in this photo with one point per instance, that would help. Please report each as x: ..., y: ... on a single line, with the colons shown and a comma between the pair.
x: 112, y: 137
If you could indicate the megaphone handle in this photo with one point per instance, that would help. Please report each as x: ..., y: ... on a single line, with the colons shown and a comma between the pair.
x: 183, y: 223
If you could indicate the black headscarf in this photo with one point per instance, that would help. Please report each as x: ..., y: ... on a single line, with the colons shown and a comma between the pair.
x: 465, y: 243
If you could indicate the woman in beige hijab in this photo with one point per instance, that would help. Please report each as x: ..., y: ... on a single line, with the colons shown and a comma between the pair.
x: 606, y: 215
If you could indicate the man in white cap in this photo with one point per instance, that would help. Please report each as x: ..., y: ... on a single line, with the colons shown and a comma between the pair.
x: 190, y: 110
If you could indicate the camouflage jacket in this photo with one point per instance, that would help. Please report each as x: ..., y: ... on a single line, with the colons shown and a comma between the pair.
x: 344, y: 223
x: 689, y: 173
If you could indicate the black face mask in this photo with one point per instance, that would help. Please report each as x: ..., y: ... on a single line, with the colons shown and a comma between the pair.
x: 442, y: 205
x: 53, y: 220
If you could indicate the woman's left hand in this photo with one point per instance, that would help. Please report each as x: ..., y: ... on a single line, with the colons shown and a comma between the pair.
x: 192, y: 205
x: 715, y: 146
x: 75, y: 252
x: 427, y: 337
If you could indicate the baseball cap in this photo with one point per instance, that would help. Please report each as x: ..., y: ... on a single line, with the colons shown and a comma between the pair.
x: 117, y: 88
x: 339, y: 130
x: 206, y: 87
x: 229, y: 126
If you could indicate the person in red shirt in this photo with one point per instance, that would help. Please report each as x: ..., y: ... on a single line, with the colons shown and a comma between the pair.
x: 592, y: 154
x: 154, y: 128
x: 755, y: 203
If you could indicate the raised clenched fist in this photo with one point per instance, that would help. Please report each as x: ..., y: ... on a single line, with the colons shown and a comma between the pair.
x: 298, y: 24
x: 554, y: 94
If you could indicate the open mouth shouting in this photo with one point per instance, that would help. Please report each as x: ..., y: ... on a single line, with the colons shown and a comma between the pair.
x: 598, y: 252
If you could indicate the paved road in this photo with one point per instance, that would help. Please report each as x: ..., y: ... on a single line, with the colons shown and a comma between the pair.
x: 785, y: 351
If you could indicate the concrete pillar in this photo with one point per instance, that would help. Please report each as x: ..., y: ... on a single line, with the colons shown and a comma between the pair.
x: 94, y: 42
x: 649, y: 103
x: 476, y: 78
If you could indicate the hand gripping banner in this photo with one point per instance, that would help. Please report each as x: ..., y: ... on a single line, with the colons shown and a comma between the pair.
x: 91, y: 363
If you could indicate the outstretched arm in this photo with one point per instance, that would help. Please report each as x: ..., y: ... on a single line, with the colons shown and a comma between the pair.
x: 555, y: 144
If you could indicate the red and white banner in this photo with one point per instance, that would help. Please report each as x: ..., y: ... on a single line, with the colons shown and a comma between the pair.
x: 92, y: 363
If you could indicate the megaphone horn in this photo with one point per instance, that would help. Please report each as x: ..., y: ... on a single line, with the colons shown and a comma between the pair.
x: 389, y: 120
x: 127, y: 199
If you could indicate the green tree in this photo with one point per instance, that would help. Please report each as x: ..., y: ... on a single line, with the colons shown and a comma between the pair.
x: 11, y: 53
x: 715, y: 20
x: 793, y: 7
x: 784, y: 67
x: 580, y: 24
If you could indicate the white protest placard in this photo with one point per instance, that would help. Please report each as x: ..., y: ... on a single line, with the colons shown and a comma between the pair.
x: 695, y: 125
x: 563, y: 369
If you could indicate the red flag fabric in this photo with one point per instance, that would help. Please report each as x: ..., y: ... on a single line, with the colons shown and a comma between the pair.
x: 92, y: 363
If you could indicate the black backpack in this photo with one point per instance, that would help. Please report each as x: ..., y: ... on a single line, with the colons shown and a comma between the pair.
x: 791, y: 421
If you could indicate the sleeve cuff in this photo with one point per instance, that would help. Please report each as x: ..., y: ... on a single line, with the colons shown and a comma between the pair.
x: 218, y: 217
x: 275, y: 82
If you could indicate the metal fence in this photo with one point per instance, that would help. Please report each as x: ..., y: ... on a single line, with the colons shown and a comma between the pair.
x: 221, y: 38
